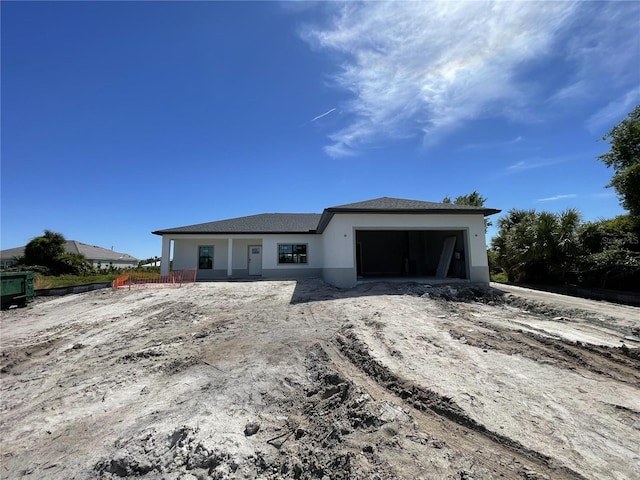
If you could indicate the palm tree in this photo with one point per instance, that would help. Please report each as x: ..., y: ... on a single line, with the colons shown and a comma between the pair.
x: 537, y: 247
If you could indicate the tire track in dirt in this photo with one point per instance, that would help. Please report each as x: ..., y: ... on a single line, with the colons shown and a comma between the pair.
x: 437, y: 413
x: 618, y: 363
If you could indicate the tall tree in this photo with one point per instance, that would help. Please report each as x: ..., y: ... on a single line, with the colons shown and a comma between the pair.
x: 45, y: 249
x: 624, y: 158
x: 473, y: 199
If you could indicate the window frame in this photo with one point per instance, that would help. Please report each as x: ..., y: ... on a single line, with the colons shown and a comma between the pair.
x: 293, y: 254
x: 200, y: 257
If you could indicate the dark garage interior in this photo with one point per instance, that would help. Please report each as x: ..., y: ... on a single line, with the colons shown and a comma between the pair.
x: 410, y: 253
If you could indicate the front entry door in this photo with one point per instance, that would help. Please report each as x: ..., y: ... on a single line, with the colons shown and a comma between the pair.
x: 255, y: 260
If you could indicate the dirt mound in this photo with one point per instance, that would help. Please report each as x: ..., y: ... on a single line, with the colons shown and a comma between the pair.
x: 177, y: 454
x: 419, y: 397
x: 244, y: 380
x: 457, y: 293
x: 323, y: 435
x: 493, y: 296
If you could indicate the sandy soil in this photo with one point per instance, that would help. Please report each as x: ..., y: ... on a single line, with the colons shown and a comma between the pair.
x: 302, y: 380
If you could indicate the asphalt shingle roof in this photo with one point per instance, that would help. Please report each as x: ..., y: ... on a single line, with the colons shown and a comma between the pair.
x: 316, y: 222
x: 91, y: 252
x: 401, y: 204
x: 261, y: 223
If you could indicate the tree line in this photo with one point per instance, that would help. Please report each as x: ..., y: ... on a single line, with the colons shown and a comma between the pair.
x: 559, y: 248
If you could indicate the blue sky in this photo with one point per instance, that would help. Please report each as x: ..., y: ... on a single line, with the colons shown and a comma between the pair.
x: 121, y: 118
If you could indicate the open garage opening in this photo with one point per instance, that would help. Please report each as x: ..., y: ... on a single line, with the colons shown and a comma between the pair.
x: 412, y: 253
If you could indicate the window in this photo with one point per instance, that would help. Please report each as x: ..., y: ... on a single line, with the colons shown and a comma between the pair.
x: 292, y: 253
x: 205, y: 258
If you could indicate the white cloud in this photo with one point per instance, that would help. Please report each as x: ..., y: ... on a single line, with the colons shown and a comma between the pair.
x: 518, y: 166
x: 557, y: 197
x: 612, y: 113
x: 322, y: 115
x: 531, y: 164
x: 506, y: 143
x: 603, y: 44
x: 423, y: 68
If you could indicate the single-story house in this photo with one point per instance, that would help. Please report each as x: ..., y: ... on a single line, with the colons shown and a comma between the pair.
x: 383, y: 237
x: 98, y: 256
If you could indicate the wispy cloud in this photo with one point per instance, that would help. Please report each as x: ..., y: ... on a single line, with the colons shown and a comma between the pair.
x: 322, y: 115
x: 423, y: 68
x: 608, y: 194
x: 521, y: 165
x: 601, y: 121
x: 535, y: 163
x: 506, y: 143
x: 557, y: 197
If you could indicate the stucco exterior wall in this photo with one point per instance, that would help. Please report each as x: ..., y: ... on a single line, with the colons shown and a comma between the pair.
x: 339, y: 241
x: 331, y: 254
x: 185, y: 255
x: 240, y: 253
x: 270, y: 251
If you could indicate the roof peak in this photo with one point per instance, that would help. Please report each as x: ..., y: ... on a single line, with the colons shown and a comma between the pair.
x: 394, y: 204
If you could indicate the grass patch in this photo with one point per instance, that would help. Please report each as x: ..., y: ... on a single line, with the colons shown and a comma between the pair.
x: 499, y: 277
x: 45, y: 281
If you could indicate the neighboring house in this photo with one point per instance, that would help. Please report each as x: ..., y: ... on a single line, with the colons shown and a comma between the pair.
x: 10, y: 256
x: 97, y: 256
x: 384, y: 237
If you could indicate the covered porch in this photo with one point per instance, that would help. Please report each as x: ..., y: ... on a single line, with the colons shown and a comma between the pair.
x: 213, y: 257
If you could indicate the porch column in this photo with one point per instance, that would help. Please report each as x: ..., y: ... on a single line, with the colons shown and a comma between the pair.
x: 166, y: 252
x: 230, y: 258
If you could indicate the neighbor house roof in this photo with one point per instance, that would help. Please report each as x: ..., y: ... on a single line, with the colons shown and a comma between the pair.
x: 262, y: 223
x: 316, y: 222
x: 11, y: 253
x: 91, y: 252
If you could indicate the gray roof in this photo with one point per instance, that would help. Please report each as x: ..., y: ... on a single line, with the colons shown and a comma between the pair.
x: 11, y: 253
x: 262, y: 223
x: 399, y: 205
x: 91, y: 252
x: 316, y: 222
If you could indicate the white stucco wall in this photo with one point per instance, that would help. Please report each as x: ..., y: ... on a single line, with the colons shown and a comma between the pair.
x: 241, y: 251
x: 185, y: 250
x: 339, y: 236
x: 270, y: 251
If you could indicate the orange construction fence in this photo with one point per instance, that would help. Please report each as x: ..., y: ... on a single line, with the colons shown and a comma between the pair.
x: 141, y: 279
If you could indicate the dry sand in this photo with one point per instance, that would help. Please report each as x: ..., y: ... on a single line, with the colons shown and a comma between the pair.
x: 302, y: 380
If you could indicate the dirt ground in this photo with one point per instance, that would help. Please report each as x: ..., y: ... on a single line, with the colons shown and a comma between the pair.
x: 301, y: 380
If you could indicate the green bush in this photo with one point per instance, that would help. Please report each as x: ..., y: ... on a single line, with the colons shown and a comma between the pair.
x: 500, y: 277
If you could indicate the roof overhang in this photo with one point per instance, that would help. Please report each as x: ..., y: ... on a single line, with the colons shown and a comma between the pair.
x: 169, y: 232
x: 328, y: 213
